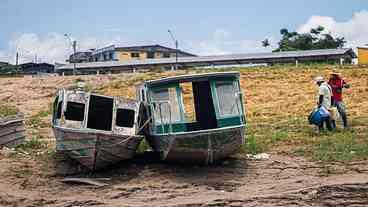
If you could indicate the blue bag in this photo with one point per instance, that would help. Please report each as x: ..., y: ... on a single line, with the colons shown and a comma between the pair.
x: 318, y: 115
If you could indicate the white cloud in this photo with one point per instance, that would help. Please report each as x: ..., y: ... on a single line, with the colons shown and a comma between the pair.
x: 52, y: 47
x: 354, y: 30
x: 222, y: 42
x: 49, y: 48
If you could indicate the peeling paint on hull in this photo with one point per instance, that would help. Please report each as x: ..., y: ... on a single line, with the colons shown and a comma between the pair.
x: 95, y: 150
x: 203, y: 147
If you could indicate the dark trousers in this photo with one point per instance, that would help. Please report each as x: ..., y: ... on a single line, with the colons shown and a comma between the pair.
x: 328, y: 122
x: 342, y: 111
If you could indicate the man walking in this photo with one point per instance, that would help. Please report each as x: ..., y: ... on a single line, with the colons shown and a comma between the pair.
x: 324, y: 100
x: 337, y: 84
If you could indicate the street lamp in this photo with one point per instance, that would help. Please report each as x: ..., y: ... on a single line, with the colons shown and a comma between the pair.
x: 176, y: 48
x: 74, y: 45
x: 31, y: 57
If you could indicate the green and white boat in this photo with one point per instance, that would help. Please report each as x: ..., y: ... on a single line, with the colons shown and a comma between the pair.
x: 194, y: 118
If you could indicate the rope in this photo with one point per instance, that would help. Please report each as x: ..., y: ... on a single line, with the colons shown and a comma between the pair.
x: 139, y: 130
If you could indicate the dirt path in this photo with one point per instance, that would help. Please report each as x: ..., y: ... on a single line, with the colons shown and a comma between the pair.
x: 282, y: 181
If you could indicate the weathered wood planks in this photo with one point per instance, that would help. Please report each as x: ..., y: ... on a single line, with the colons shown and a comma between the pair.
x: 12, y: 131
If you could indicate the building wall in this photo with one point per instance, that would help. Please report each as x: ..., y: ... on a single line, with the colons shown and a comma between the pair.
x: 126, y: 55
x: 363, y: 56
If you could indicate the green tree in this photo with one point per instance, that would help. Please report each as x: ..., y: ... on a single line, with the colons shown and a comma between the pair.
x: 9, y: 70
x: 315, y: 39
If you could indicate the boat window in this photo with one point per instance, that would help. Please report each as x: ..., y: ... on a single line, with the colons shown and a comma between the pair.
x: 188, y: 101
x: 229, y: 103
x: 100, y: 112
x: 125, y: 118
x: 58, y: 110
x: 143, y: 98
x: 165, y: 104
x: 74, y: 111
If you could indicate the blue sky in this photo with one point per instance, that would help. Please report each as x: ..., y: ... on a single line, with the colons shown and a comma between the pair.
x: 205, y: 27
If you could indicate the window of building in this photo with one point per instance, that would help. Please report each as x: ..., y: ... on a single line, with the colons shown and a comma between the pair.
x: 96, y: 59
x: 229, y: 101
x: 134, y: 54
x: 151, y: 55
x: 166, y: 55
x: 111, y: 56
x: 125, y: 118
x: 74, y: 111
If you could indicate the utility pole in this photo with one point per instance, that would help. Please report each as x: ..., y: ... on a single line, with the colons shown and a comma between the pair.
x: 74, y: 45
x: 176, y: 48
x: 16, y: 59
x: 74, y: 52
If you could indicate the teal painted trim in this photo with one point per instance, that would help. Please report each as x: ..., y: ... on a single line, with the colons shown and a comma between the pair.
x: 177, y: 127
x: 230, y: 121
x: 215, y: 99
x: 225, y: 79
x: 154, y: 88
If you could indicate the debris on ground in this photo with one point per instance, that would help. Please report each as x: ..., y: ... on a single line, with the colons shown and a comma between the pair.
x: 261, y: 156
x: 88, y: 181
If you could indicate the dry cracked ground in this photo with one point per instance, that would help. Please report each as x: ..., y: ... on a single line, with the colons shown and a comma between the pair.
x: 285, y: 179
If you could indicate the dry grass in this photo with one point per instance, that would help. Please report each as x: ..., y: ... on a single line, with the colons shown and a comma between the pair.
x: 7, y: 110
x: 278, y: 101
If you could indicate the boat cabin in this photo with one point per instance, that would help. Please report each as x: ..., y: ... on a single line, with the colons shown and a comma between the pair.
x: 77, y: 109
x: 191, y: 103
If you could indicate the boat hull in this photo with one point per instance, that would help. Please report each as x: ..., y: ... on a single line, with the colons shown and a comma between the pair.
x: 95, y: 150
x: 12, y: 131
x: 203, y: 147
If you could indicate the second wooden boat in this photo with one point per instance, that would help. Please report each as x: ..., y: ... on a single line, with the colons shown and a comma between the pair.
x: 95, y: 130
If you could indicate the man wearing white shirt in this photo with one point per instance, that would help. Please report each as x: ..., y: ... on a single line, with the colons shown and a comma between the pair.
x: 324, y: 100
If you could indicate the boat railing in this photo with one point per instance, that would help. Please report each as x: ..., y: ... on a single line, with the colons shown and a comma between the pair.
x: 160, y: 103
x: 238, y: 96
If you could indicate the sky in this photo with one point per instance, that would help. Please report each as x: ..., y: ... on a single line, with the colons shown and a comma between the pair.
x: 206, y: 27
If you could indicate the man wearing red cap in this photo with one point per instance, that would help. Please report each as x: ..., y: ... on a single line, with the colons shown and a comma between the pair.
x: 337, y: 84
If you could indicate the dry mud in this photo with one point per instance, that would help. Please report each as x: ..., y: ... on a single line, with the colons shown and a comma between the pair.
x: 279, y: 181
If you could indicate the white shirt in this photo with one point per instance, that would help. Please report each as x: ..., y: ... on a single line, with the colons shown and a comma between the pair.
x: 326, y: 91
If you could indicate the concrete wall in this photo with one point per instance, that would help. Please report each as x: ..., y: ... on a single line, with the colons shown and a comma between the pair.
x: 363, y: 56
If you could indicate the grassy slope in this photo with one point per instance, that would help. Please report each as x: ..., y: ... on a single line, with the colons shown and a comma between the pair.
x: 278, y: 101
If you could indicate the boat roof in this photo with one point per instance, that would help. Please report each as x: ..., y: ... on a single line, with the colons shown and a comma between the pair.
x: 191, y: 78
x: 118, y: 98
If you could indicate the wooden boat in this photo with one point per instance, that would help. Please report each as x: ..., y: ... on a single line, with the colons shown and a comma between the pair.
x: 195, y: 118
x: 12, y: 131
x: 95, y: 130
